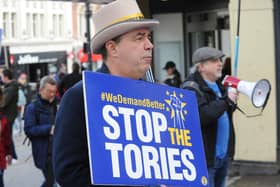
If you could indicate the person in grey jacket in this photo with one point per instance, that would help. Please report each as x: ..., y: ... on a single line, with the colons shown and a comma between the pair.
x: 123, y: 37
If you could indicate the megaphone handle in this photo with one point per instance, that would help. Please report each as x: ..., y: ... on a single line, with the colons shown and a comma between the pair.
x: 240, y: 110
x: 247, y: 115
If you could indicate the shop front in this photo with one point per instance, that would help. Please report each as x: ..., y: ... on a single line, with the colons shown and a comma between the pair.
x: 37, y: 65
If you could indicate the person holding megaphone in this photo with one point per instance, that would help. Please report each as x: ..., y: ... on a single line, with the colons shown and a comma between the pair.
x: 216, y: 107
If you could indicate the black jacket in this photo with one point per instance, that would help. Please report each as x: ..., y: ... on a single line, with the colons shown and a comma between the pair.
x: 174, y: 80
x: 9, y: 107
x: 68, y: 81
x: 210, y: 109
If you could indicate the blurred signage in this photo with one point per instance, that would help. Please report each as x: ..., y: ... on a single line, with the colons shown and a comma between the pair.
x: 1, y: 33
x: 46, y: 57
x: 147, y: 134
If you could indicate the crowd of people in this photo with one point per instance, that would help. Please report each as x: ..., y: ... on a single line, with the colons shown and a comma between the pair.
x: 20, y: 111
x: 58, y: 135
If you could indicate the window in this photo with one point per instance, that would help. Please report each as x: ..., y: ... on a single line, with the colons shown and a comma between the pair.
x: 27, y: 4
x: 13, y: 25
x: 60, y: 26
x: 13, y: 3
x: 5, y: 3
x: 42, y: 30
x: 54, y: 5
x: 42, y: 5
x: 28, y: 25
x: 55, y: 25
x: 35, y: 4
x: 61, y: 6
x: 5, y: 25
x: 35, y: 25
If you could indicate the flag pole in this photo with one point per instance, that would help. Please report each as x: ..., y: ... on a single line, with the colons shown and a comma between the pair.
x: 236, y: 50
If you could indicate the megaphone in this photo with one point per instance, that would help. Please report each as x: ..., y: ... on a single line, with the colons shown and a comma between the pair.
x: 258, y: 92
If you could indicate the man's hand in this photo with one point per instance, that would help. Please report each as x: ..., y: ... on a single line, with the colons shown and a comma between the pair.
x: 52, y: 130
x: 9, y: 159
x: 233, y: 95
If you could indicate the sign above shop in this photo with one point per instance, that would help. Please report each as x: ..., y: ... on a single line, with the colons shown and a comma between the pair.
x: 33, y: 58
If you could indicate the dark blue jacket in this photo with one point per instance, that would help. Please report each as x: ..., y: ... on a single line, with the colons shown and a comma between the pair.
x: 38, y: 120
x: 70, y: 148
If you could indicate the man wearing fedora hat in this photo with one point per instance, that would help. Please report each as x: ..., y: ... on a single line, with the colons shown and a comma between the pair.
x: 123, y: 38
x: 216, y: 106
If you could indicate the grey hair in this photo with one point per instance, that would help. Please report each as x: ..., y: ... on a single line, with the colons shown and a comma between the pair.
x: 47, y: 80
x: 194, y: 68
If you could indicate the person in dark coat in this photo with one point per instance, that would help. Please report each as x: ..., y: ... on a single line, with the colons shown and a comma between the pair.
x: 39, y: 121
x: 174, y: 77
x: 127, y: 52
x: 9, y: 106
x: 69, y: 80
x: 216, y: 106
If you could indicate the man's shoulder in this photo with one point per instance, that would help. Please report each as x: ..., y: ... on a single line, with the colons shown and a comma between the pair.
x: 77, y: 88
x: 75, y: 92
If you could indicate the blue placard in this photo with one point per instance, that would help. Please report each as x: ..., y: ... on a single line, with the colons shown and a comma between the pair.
x: 141, y: 133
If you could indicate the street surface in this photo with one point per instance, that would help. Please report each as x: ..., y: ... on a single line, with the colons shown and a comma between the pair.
x: 23, y: 173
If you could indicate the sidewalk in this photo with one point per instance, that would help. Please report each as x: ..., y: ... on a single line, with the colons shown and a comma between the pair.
x: 25, y: 174
x: 254, y: 181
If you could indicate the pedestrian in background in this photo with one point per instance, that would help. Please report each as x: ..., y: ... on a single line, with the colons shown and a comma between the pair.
x: 216, y: 106
x: 9, y: 106
x: 39, y: 120
x: 22, y: 100
x: 69, y: 80
x: 226, y: 68
x: 5, y: 143
x: 24, y: 86
x: 173, y: 76
x: 127, y: 52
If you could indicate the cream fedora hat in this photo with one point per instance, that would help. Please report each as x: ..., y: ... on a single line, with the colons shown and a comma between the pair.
x: 117, y: 18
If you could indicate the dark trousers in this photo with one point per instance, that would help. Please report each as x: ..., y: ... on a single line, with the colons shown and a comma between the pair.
x: 48, y: 174
x: 1, y: 178
x: 218, y: 173
x: 14, y: 154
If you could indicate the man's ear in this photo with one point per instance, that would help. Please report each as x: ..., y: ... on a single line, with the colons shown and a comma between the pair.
x: 111, y: 47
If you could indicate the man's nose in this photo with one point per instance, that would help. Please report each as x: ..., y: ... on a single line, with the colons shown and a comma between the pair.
x: 148, y: 44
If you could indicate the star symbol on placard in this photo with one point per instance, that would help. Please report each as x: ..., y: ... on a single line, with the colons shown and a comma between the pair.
x: 183, y: 104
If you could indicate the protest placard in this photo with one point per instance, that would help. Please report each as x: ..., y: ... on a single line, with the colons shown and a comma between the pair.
x: 140, y: 133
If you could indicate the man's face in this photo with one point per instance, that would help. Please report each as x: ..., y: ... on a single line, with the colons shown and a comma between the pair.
x: 134, y: 52
x: 48, y: 92
x: 211, y: 70
x: 5, y: 79
x: 170, y: 71
x: 22, y: 79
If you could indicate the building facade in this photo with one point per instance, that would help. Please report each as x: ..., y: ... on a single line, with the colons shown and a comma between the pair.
x: 39, y: 36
